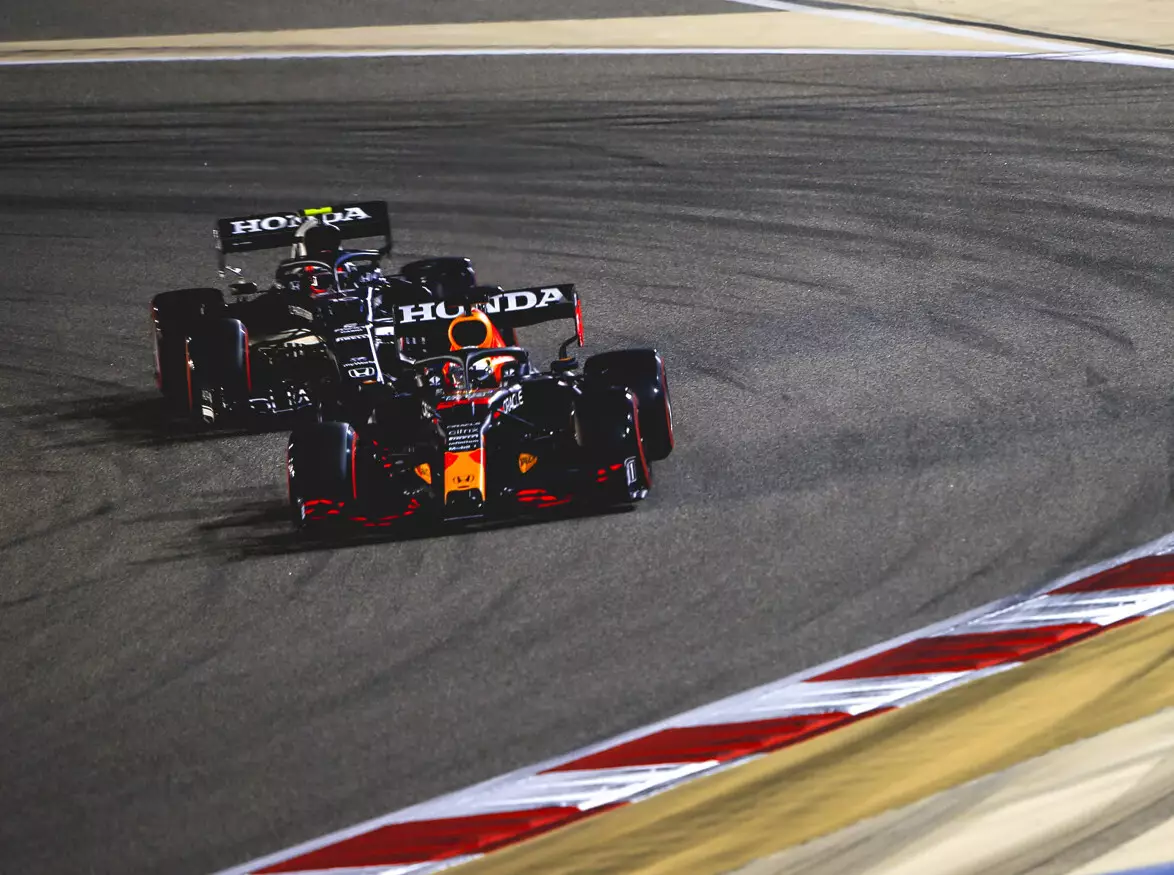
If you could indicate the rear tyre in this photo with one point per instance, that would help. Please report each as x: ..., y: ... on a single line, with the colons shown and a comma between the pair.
x: 448, y: 278
x: 320, y: 465
x: 219, y: 370
x: 607, y: 425
x: 175, y: 315
x: 641, y: 372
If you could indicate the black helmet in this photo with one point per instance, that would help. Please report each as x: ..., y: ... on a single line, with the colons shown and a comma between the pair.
x: 322, y: 240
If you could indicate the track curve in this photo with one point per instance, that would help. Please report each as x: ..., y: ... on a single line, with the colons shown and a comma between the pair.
x: 916, y: 319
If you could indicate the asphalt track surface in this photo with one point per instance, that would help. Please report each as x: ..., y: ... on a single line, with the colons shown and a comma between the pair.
x: 918, y: 323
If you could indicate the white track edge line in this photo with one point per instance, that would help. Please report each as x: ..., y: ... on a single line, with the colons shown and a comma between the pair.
x: 1062, y: 52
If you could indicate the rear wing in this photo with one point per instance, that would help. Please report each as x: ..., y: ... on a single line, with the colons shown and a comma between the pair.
x: 278, y: 229
x: 507, y: 310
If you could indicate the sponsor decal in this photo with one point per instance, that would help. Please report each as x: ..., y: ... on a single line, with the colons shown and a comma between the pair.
x: 506, y: 302
x: 294, y: 220
x: 463, y: 437
x: 526, y: 461
x: 511, y: 402
x: 424, y: 472
x: 361, y: 371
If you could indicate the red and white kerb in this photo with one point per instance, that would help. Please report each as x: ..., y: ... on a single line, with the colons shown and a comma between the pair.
x: 466, y: 824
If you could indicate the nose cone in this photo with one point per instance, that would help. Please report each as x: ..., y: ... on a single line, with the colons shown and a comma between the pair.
x: 464, y: 473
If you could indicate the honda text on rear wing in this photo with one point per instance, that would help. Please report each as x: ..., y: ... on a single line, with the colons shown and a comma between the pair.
x: 431, y: 321
x: 277, y: 229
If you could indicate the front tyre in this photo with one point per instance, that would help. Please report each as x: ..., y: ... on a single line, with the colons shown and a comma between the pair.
x: 641, y: 372
x: 321, y: 472
x: 220, y: 376
x: 607, y: 427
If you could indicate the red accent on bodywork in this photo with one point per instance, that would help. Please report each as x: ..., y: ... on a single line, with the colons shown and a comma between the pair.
x: 474, y: 456
x: 960, y: 653
x: 424, y: 841
x: 698, y: 744
x: 579, y: 320
x: 543, y: 498
x: 1149, y: 571
x: 546, y: 499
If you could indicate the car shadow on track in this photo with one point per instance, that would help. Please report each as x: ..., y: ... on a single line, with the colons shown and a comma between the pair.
x: 136, y: 419
x: 244, y: 528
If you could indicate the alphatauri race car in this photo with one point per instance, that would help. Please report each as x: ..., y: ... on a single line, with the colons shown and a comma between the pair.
x: 316, y: 340
x: 478, y: 432
x: 311, y: 335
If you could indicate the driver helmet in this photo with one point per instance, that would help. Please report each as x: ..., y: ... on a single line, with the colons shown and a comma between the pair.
x: 322, y: 242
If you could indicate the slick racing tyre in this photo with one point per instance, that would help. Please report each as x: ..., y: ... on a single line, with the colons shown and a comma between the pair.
x: 220, y: 376
x: 607, y: 426
x: 320, y: 466
x: 175, y: 314
x: 447, y: 278
x: 641, y: 372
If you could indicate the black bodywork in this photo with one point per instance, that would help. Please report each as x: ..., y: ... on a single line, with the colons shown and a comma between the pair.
x: 312, y: 338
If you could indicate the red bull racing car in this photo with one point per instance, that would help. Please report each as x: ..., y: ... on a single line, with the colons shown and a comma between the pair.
x: 469, y: 429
